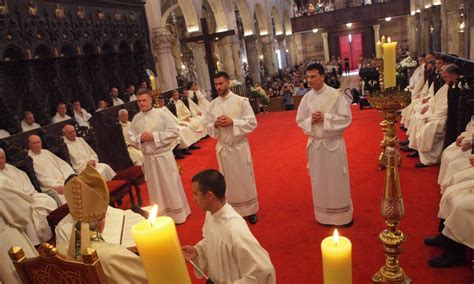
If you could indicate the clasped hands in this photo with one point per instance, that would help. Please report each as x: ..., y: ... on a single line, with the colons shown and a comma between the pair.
x: 147, y: 137
x: 223, y: 121
x: 317, y: 117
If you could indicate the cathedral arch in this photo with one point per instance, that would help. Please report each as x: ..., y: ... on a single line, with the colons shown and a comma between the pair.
x: 277, y: 21
x: 246, y: 16
x: 261, y: 19
x: 287, y: 23
x: 219, y: 15
x: 13, y: 52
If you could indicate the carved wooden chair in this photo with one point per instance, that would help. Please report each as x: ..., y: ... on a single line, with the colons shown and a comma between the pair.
x: 51, y: 267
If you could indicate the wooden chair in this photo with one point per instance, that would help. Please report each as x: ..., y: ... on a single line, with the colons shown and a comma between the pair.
x: 51, y: 267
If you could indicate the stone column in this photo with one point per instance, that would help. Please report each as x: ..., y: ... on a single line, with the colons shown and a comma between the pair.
x: 252, y: 58
x: 161, y: 47
x: 291, y: 50
x: 299, y: 48
x: 281, y: 46
x: 436, y: 22
x: 417, y: 45
x: 269, y: 55
x: 376, y: 32
x: 326, y: 47
x: 161, y: 40
x: 225, y: 48
x: 238, y: 66
x: 199, y: 55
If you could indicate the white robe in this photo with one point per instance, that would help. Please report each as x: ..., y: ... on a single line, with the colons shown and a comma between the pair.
x: 82, y: 118
x: 184, y: 114
x: 135, y: 155
x: 416, y: 105
x: 38, y: 230
x: 229, y: 253
x: 456, y: 207
x: 117, y: 101
x: 51, y: 171
x: 58, y: 118
x: 80, y: 153
x: 454, y: 152
x: 15, y: 214
x: 161, y: 172
x: 327, y: 157
x: 233, y: 150
x: 25, y: 127
x: 430, y: 136
x: 417, y: 82
x: 458, y: 171
x: 202, y: 100
x: 186, y: 136
x: 4, y: 134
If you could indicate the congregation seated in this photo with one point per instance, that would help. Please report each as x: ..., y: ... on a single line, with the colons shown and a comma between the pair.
x: 50, y: 170
x: 82, y: 155
x: 115, y: 98
x: 197, y: 95
x: 15, y: 215
x: 28, y: 123
x: 184, y: 114
x: 4, y: 134
x: 135, y: 154
x: 61, y: 114
x: 129, y: 94
x: 81, y: 116
x: 42, y: 204
x: 101, y: 105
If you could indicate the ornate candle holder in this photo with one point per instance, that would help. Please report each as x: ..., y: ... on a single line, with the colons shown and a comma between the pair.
x: 155, y: 94
x: 389, y: 102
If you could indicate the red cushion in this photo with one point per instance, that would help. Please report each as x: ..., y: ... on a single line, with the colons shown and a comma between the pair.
x: 129, y: 173
x: 115, y: 185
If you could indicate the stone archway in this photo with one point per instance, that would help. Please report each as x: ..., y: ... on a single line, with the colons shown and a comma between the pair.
x: 287, y: 23
x: 279, y: 30
x: 219, y: 15
x: 189, y: 14
x: 261, y: 19
x: 246, y: 16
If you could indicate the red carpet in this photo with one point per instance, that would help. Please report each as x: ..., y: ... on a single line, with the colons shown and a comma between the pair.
x: 287, y: 228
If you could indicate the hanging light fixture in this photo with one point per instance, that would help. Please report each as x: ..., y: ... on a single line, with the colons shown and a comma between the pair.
x: 462, y: 19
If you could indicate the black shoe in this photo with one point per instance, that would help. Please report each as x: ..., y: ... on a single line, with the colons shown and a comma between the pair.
x: 348, y: 225
x: 436, y: 241
x: 194, y: 147
x: 178, y: 156
x: 404, y: 142
x: 420, y: 166
x: 253, y: 219
x: 186, y: 152
x: 413, y: 155
x: 325, y: 225
x: 447, y: 259
x: 403, y: 128
x: 406, y: 149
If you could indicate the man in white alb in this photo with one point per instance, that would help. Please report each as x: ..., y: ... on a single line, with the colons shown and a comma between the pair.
x: 28, y: 123
x: 61, y: 114
x: 197, y: 95
x: 184, y: 114
x: 38, y: 230
x: 82, y: 155
x: 323, y: 115
x: 135, y: 155
x: 50, y: 170
x: 4, y: 134
x: 154, y: 133
x: 81, y: 115
x: 115, y: 98
x: 229, y: 119
x: 228, y: 252
x: 101, y: 105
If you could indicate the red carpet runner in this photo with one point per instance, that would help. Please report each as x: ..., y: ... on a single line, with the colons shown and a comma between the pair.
x: 287, y: 228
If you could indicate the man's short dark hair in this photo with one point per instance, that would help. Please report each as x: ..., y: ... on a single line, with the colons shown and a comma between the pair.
x: 221, y: 74
x: 316, y: 66
x: 143, y: 91
x: 190, y: 85
x: 210, y: 180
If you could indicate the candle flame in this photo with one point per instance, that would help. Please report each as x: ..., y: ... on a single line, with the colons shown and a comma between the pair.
x: 378, y: 42
x: 153, y: 213
x: 389, y: 40
x: 335, y: 237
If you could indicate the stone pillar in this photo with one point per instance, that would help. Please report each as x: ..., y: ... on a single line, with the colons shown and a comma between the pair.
x: 281, y: 45
x: 425, y: 23
x: 199, y: 55
x: 161, y: 40
x: 376, y: 32
x: 161, y: 47
x: 299, y: 48
x: 269, y: 55
x: 326, y: 47
x: 417, y: 26
x: 252, y: 58
x: 225, y: 47
x: 436, y: 33
x: 290, y: 42
x: 236, y: 52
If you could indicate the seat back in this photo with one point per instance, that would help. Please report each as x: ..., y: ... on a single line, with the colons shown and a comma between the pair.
x: 51, y: 267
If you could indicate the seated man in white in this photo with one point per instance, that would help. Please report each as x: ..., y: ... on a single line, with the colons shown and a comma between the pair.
x: 28, y: 122
x: 60, y: 113
x: 15, y: 215
x: 455, y: 151
x: 101, y: 105
x: 81, y: 115
x: 131, y: 93
x: 119, y: 264
x: 4, y: 134
x: 50, y: 170
x: 431, y: 136
x: 38, y: 230
x: 115, y: 98
x: 135, y: 155
x: 82, y: 155
x: 197, y: 95
x: 417, y: 82
x: 185, y: 116
x: 459, y: 170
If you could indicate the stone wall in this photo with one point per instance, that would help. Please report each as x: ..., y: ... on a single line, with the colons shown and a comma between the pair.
x: 312, y: 46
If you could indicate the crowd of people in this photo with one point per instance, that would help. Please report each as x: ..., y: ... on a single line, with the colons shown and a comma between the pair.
x: 311, y: 7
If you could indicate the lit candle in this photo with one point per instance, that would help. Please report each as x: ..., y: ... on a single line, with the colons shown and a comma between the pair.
x: 160, y: 250
x: 383, y: 39
x: 337, y: 259
x: 378, y: 49
x: 389, y: 64
x: 152, y: 83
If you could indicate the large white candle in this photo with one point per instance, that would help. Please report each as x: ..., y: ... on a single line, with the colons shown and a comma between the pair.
x: 337, y: 259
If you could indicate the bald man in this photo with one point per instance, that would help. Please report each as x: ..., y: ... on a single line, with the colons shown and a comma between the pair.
x: 135, y: 155
x: 28, y: 122
x: 50, y: 170
x: 83, y: 155
x: 60, y: 114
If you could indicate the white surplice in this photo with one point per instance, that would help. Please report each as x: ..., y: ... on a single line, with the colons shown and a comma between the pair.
x: 117, y: 101
x: 417, y: 82
x: 38, y: 230
x: 15, y: 215
x: 233, y: 150
x: 80, y: 153
x: 4, y: 134
x: 82, y: 117
x: 229, y: 253
x: 135, y: 155
x: 51, y: 171
x: 186, y: 116
x: 161, y: 172
x: 457, y: 171
x: 326, y: 153
x: 58, y: 118
x: 186, y: 136
x: 456, y: 207
x: 202, y: 100
x: 25, y: 127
